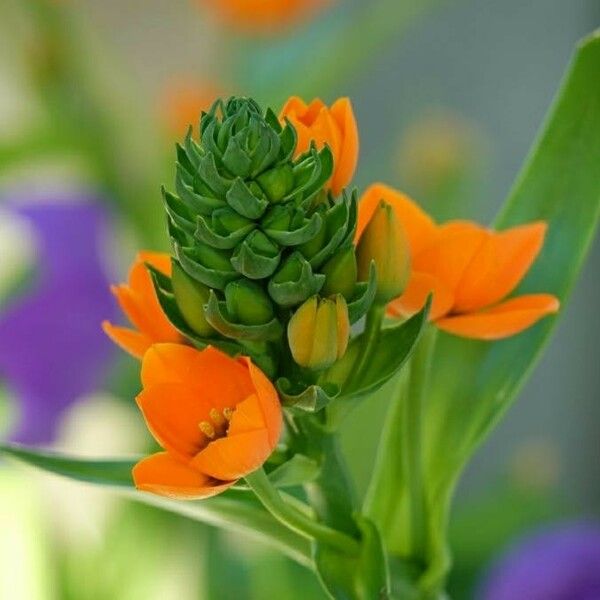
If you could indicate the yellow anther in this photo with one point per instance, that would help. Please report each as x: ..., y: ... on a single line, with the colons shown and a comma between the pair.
x: 228, y: 413
x: 217, y: 418
x: 207, y: 429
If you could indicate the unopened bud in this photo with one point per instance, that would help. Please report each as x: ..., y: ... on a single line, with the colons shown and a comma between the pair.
x: 341, y: 274
x: 277, y: 182
x: 191, y: 296
x: 384, y: 241
x: 247, y: 303
x: 318, y: 332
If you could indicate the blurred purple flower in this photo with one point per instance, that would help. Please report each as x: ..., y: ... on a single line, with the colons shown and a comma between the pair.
x: 558, y: 563
x: 52, y: 349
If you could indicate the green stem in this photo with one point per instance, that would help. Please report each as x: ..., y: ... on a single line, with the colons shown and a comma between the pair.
x: 412, y: 439
x: 296, y: 520
x: 331, y: 494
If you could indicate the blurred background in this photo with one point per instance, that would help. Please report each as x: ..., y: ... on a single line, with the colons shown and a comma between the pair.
x: 448, y: 96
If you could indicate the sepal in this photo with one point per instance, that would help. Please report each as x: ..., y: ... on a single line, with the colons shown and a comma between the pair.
x: 217, y: 316
x: 295, y: 281
x: 207, y: 265
x: 256, y: 257
x: 363, y: 296
x: 301, y: 397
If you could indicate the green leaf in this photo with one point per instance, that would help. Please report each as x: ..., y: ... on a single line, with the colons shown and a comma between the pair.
x: 234, y: 511
x: 391, y: 351
x: 114, y: 473
x: 296, y: 471
x: 473, y: 383
x: 361, y: 577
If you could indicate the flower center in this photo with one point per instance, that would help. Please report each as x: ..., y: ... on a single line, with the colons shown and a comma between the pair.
x: 218, y: 424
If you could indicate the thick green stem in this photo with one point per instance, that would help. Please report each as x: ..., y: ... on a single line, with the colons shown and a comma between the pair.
x: 296, y: 520
x: 332, y: 493
x: 412, y: 444
x: 396, y: 499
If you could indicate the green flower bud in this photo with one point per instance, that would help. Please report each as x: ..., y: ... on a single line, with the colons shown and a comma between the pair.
x: 191, y: 296
x: 340, y: 274
x: 247, y: 303
x: 248, y: 208
x: 318, y: 332
x: 277, y: 183
x: 384, y: 242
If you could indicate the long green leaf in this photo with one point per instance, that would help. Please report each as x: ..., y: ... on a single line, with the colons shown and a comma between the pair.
x: 235, y: 511
x: 473, y: 383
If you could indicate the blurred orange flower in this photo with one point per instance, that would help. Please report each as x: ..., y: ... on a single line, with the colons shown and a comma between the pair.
x: 183, y: 102
x: 469, y: 269
x: 217, y: 418
x: 335, y: 126
x: 263, y: 15
x: 139, y: 302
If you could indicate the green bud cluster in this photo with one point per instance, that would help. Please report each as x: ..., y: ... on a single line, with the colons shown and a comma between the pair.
x: 254, y: 232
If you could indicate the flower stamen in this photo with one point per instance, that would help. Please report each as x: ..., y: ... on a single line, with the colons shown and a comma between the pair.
x: 207, y: 429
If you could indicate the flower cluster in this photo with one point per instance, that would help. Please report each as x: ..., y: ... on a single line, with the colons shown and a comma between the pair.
x: 272, y: 262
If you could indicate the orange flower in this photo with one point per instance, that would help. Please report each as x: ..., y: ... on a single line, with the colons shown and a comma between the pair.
x: 335, y: 126
x: 183, y: 102
x: 468, y: 268
x: 217, y: 418
x: 138, y: 301
x: 263, y: 15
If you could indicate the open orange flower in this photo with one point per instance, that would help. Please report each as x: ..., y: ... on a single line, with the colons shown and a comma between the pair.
x: 139, y: 302
x: 469, y: 269
x: 335, y: 126
x: 217, y: 418
x: 263, y: 15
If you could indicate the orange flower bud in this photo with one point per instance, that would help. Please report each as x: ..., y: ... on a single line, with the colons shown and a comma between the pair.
x: 384, y: 241
x: 318, y: 332
x: 335, y: 126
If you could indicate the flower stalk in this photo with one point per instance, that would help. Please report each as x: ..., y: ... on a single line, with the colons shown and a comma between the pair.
x: 295, y: 519
x: 411, y: 404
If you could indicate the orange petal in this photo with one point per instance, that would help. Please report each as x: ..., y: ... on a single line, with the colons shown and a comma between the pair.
x: 138, y: 273
x: 420, y: 285
x: 164, y: 475
x: 294, y: 105
x: 420, y: 228
x: 342, y: 113
x: 499, y: 265
x: 136, y: 310
x: 450, y: 253
x: 143, y: 310
x: 247, y: 416
x: 234, y: 456
x: 131, y: 341
x: 313, y: 109
x: 268, y: 401
x: 505, y: 319
x: 167, y: 363
x: 217, y: 379
x: 173, y: 413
